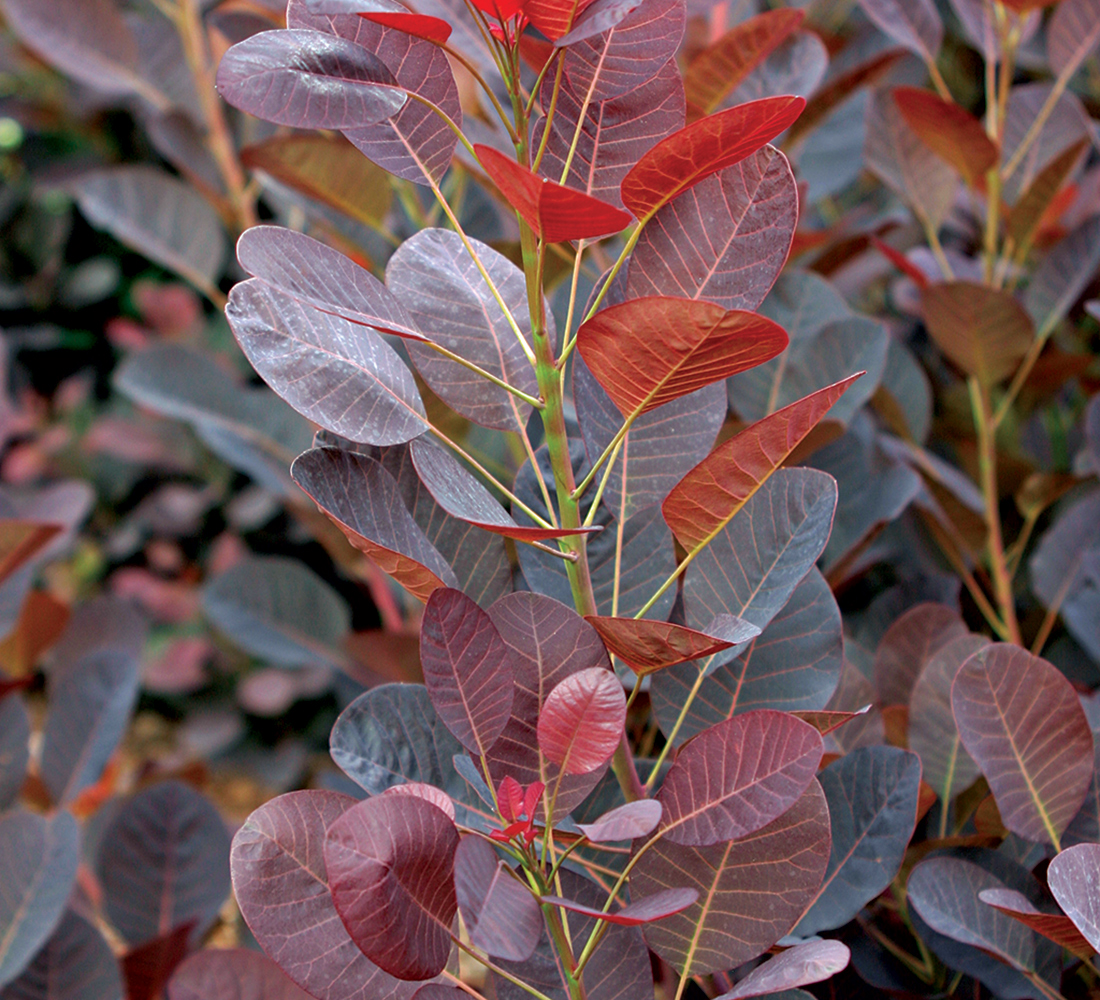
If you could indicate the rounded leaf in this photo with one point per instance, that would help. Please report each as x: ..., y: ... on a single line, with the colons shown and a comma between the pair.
x: 581, y: 723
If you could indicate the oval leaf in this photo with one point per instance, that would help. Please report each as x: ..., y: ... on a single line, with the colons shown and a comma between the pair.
x: 635, y: 819
x: 798, y: 966
x: 76, y: 963
x: 1055, y: 926
x: 224, y: 973
x: 951, y: 132
x: 915, y: 24
x: 581, y: 722
x: 500, y: 913
x: 643, y: 911
x: 647, y: 646
x: 1020, y: 719
x: 390, y: 866
x: 1074, y: 878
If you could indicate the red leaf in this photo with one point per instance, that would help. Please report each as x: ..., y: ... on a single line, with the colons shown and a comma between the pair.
x: 708, y: 497
x: 647, y: 646
x: 1055, y: 926
x: 148, y: 966
x: 951, y: 132
x: 826, y: 722
x: 703, y: 148
x: 429, y: 793
x: 504, y: 10
x: 556, y: 213
x: 901, y: 262
x: 582, y: 721
x: 644, y: 911
x: 434, y: 29
x: 554, y: 17
x: 650, y: 351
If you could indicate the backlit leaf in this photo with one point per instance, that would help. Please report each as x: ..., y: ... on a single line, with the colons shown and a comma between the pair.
x: 553, y: 17
x: 342, y: 376
x: 390, y: 866
x: 948, y: 768
x: 709, y: 496
x: 634, y: 819
x: 872, y: 795
x: 982, y: 330
x: 907, y: 645
x: 499, y: 912
x: 228, y: 973
x: 307, y: 79
x: 736, y: 777
x: 1074, y: 876
x: 40, y: 859
x: 280, y: 846
x: 434, y: 277
x: 751, y: 891
x: 466, y: 669
x: 581, y: 722
x: 554, y: 212
x: 647, y: 646
x: 361, y: 498
x: 434, y: 29
x: 649, y: 351
x: 711, y: 144
x: 643, y: 911
x: 1020, y: 720
x: 1055, y: 926
x: 1026, y: 213
x: 950, y: 131
x: 76, y: 963
x: 798, y: 966
x: 164, y: 862
x: 913, y: 23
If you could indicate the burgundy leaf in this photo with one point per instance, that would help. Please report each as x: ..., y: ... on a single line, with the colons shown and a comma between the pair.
x: 950, y: 131
x: 826, y: 722
x: 725, y: 240
x: 751, y: 891
x: 435, y: 278
x: 429, y: 793
x: 647, y: 646
x: 614, y: 134
x: 390, y: 865
x: 581, y: 723
x: 635, y: 819
x: 1073, y: 878
x: 708, y: 497
x: 554, y: 212
x: 1021, y: 721
x: 75, y: 963
x: 500, y: 913
x: 462, y: 496
x: 736, y: 777
x: 798, y: 966
x: 362, y: 499
x: 915, y: 24
x: 467, y: 669
x: 626, y: 55
x: 548, y: 642
x: 434, y: 29
x: 643, y: 911
x: 709, y: 145
x: 595, y: 19
x: 650, y: 351
x: 416, y: 141
x: 307, y: 79
x: 311, y: 272
x: 1055, y: 926
x: 907, y: 645
x: 231, y: 973
x: 344, y: 377
x: 1073, y: 32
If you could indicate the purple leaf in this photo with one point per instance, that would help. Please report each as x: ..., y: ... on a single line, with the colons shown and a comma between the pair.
x: 313, y: 273
x: 615, y: 132
x: 755, y: 562
x: 751, y: 891
x: 1055, y: 926
x: 164, y: 862
x: 581, y: 722
x: 500, y: 913
x: 794, y: 665
x: 40, y: 861
x: 1064, y: 274
x: 467, y: 669
x: 908, y: 644
x: 595, y: 19
x: 736, y: 777
x: 15, y: 734
x: 229, y: 974
x: 463, y: 496
x: 280, y: 844
x: 1074, y: 878
x: 390, y: 866
x: 872, y: 795
x: 913, y: 23
x: 362, y: 499
x: 429, y: 793
x: 725, y: 239
x: 798, y: 966
x: 1073, y: 32
x: 548, y: 643
x: 1067, y: 123
x: 438, y: 282
x: 629, y: 54
x: 307, y: 79
x: 416, y: 141
x: 635, y: 819
x: 76, y: 963
x: 948, y: 768
x: 643, y: 911
x: 344, y: 377
x: 1021, y: 721
x: 797, y: 66
x: 158, y: 216
x: 148, y: 967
